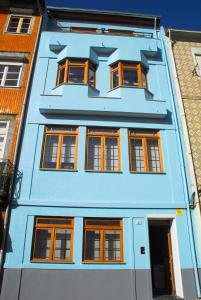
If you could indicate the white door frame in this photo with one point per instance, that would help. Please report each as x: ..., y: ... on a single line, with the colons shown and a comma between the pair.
x: 175, y: 250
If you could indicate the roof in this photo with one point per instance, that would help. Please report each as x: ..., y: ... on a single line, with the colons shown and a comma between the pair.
x: 184, y: 35
x: 104, y: 16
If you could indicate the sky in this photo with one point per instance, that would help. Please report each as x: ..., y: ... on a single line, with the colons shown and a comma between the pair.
x: 180, y: 14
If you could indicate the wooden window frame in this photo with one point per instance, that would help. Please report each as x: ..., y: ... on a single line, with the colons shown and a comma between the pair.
x: 60, y: 135
x: 145, y: 138
x: 5, y: 73
x: 120, y: 66
x: 102, y: 230
x: 21, y: 18
x: 103, y: 136
x: 53, y: 227
x: 67, y: 63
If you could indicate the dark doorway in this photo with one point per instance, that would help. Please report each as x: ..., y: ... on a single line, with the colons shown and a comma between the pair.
x: 161, y: 258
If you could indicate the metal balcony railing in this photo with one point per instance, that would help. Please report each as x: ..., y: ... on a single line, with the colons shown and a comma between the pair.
x: 6, y: 174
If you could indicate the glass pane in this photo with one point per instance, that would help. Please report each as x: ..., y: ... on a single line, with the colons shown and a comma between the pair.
x: 42, y: 243
x: 143, y: 132
x: 10, y: 82
x: 130, y: 77
x: 51, y: 149
x: 13, y: 24
x: 137, y: 155
x: 115, y: 79
x: 62, y: 245
x: 111, y: 154
x: 2, y: 67
x: 14, y: 69
x: 76, y: 74
x: 91, y: 77
x: 103, y: 222
x: 61, y: 76
x: 68, y: 152
x: 112, y: 245
x: 93, y: 245
x: 103, y: 130
x: 94, y: 153
x: 144, y: 80
x: 62, y: 128
x: 153, y: 156
x: 54, y: 221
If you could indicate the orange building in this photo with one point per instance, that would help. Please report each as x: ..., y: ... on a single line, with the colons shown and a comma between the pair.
x: 20, y: 23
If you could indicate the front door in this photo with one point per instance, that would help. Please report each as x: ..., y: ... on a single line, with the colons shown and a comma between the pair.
x: 162, y: 270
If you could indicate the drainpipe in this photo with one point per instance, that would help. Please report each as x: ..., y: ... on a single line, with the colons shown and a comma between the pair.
x: 17, y: 147
x: 181, y: 151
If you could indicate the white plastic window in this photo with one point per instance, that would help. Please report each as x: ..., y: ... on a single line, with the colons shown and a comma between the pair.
x: 3, y: 136
x: 10, y: 74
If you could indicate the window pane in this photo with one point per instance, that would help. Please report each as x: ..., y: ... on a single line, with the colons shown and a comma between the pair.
x: 62, y: 244
x: 103, y: 130
x: 14, y: 69
x: 137, y: 155
x: 42, y: 243
x: 91, y: 77
x: 76, y: 74
x: 93, y: 245
x: 111, y: 154
x: 13, y: 24
x: 115, y: 79
x: 130, y: 77
x: 61, y: 76
x: 10, y: 82
x: 94, y: 153
x: 68, y: 152
x: 112, y: 245
x: 25, y: 25
x: 153, y: 156
x: 103, y: 222
x: 51, y: 149
x: 54, y: 221
x: 62, y: 128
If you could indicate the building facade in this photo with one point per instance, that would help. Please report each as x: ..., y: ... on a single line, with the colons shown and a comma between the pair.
x: 19, y: 30
x: 102, y: 210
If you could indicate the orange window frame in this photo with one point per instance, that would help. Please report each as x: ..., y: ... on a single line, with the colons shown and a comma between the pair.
x: 121, y: 66
x: 53, y: 228
x: 144, y: 138
x: 102, y: 229
x: 66, y: 64
x: 60, y: 135
x: 103, y: 136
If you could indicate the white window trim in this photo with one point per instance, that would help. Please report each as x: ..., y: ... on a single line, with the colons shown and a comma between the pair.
x: 175, y: 250
x: 5, y: 134
x: 20, y: 16
x: 5, y: 73
x: 196, y: 51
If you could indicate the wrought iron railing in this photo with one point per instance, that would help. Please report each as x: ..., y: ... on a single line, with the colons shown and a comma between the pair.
x: 6, y: 175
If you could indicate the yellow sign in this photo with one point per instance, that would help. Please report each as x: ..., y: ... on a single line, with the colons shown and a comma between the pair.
x: 179, y: 211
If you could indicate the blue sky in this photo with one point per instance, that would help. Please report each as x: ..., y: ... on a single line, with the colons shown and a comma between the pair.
x: 180, y: 14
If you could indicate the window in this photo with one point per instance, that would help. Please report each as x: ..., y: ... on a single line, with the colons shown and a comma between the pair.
x: 10, y: 74
x: 103, y: 149
x: 198, y: 64
x: 3, y: 135
x: 19, y: 24
x: 121, y: 32
x: 145, y: 151
x: 60, y: 148
x: 103, y: 240
x: 128, y: 74
x: 76, y: 72
x: 53, y: 240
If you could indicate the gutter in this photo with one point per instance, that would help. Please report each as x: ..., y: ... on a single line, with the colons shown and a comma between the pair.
x: 184, y: 173
x: 18, y: 148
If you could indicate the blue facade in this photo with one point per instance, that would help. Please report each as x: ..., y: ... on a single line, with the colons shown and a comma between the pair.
x: 135, y: 197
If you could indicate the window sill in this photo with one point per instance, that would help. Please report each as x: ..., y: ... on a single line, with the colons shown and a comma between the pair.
x: 52, y: 262
x: 113, y: 172
x: 18, y: 33
x: 104, y: 263
x: 66, y: 83
x: 130, y: 87
x: 60, y: 170
x: 153, y: 173
x: 10, y: 87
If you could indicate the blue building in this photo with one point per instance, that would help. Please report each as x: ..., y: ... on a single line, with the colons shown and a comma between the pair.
x: 102, y: 209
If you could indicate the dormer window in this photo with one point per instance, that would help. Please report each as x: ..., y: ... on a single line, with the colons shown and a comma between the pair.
x: 76, y: 72
x: 128, y: 74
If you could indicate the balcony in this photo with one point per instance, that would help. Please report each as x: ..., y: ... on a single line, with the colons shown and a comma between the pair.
x: 6, y: 174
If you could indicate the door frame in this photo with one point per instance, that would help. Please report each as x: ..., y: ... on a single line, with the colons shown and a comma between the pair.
x: 175, y: 250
